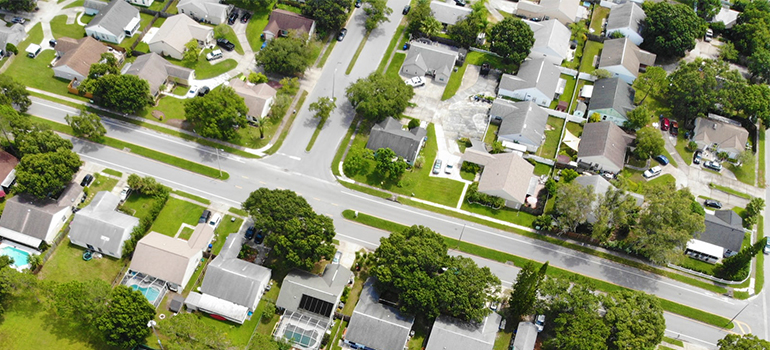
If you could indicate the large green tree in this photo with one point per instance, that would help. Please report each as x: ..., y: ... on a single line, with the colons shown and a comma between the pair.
x: 635, y: 319
x: 323, y: 108
x: 191, y: 53
x: 614, y: 211
x: 512, y: 39
x: 705, y: 9
x: 87, y: 125
x: 123, y: 93
x: 573, y: 318
x: 14, y: 284
x: 377, y: 12
x: 18, y: 5
x: 47, y: 163
x: 694, y: 88
x: 289, y: 55
x: 419, y: 14
x: 524, y: 294
x: 743, y: 342
x: 390, y: 164
x: 329, y: 15
x: 652, y: 81
x: 751, y: 32
x: 649, y: 143
x: 81, y: 302
x: 670, y: 29
x: 124, y: 324
x: 295, y: 232
x: 465, y: 31
x: 638, y: 117
x: 14, y: 93
x: 572, y: 205
x: 218, y: 114
x: 379, y: 96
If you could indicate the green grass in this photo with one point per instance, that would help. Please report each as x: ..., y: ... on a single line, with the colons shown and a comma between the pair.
x: 391, y: 46
x: 289, y: 8
x: 238, y: 211
x: 759, y: 275
x: 34, y: 36
x: 358, y: 52
x: 60, y: 28
x: 681, y: 148
x: 417, y: 341
x: 327, y: 53
x: 145, y: 19
x: 174, y: 213
x: 138, y: 205
x: 697, y: 265
x: 74, y: 4
x: 575, y: 128
x: 395, y: 65
x: 569, y: 90
x: 255, y: 27
x: 455, y: 80
x: 367, y: 190
x: 343, y: 147
x: 191, y: 196
x: 600, y: 13
x: 505, y: 213
x: 230, y: 36
x: 761, y: 172
x: 373, y: 221
x: 316, y: 132
x: 592, y: 49
x: 172, y: 108
x: 503, y: 340
x: 478, y: 58
x: 542, y: 169
x: 663, y: 347
x: 225, y: 228
x: 729, y: 190
x: 186, y: 233
x: 673, y: 341
x: 279, y: 142
x: 194, y: 278
x: 744, y: 173
x: 670, y: 158
x: 205, y: 70
x: 552, y: 138
x: 67, y: 264
x: 112, y: 172
x: 353, y: 296
x: 35, y: 72
x: 100, y: 183
x: 491, y: 136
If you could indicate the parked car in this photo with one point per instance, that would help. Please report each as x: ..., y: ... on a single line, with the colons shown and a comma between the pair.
x: 125, y: 193
x: 245, y: 17
x: 709, y: 35
x: 214, y: 55
x: 18, y: 20
x: 406, y: 10
x: 225, y: 44
x: 540, y: 322
x: 652, y: 172
x: 766, y: 250
x: 193, y: 90
x: 661, y: 159
x: 341, y: 35
x: 215, y: 220
x: 415, y: 81
x: 233, y: 17
x: 697, y: 157
x: 674, y: 128
x: 712, y: 204
x: 259, y: 236
x: 203, y: 91
x: 358, y: 3
x: 713, y: 165
x: 665, y: 124
x: 205, y: 216
x: 87, y: 180
x: 460, y: 2
x: 437, y: 166
x: 250, y: 232
x: 448, y: 169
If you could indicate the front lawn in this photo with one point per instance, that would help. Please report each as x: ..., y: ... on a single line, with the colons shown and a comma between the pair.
x: 67, y: 264
x: 172, y: 108
x: 60, y: 28
x: 591, y: 50
x: 205, y: 70
x: 77, y: 3
x: 681, y: 148
x: 174, y: 213
x: 138, y: 205
x: 505, y: 213
x: 230, y: 36
x: 225, y: 228
x: 455, y: 80
x: 744, y: 173
x: 479, y: 58
x: 395, y: 64
x: 552, y: 138
x: 100, y: 183
x: 255, y: 27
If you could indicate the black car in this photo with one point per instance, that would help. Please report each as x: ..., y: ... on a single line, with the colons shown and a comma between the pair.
x: 259, y: 237
x: 713, y: 204
x: 460, y: 2
x: 406, y: 9
x: 245, y: 17
x: 87, y: 180
x: 485, y: 68
x: 225, y: 44
x: 233, y: 17
x: 697, y: 156
x: 250, y: 232
x: 358, y: 3
x: 203, y: 91
x: 205, y: 217
x: 342, y: 33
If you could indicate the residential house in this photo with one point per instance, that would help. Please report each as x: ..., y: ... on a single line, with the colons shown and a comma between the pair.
x: 505, y: 175
x: 603, y: 146
x: 100, y: 227
x: 232, y: 287
x: 599, y: 186
x: 536, y: 81
x: 177, y: 31
x: 8, y: 165
x: 92, y: 7
x: 170, y: 259
x: 727, y: 16
x: 76, y: 57
x: 551, y: 40
x: 720, y: 134
x: 209, y: 11
x: 565, y: 11
x: 449, y: 333
x: 308, y: 302
x: 157, y: 72
x: 391, y: 134
x: 448, y: 14
x: 522, y: 122
x: 375, y: 325
x: 10, y: 35
x: 627, y: 19
x: 423, y: 59
x: 722, y: 237
x: 32, y: 221
x: 282, y: 21
x: 624, y: 59
x: 612, y: 98
x: 258, y: 98
x: 526, y: 336
x: 115, y: 22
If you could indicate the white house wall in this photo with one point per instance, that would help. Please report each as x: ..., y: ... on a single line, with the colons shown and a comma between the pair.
x: 621, y: 72
x: 531, y: 94
x: 163, y: 49
x: 630, y: 34
x: 605, y: 163
x: 57, y: 222
x: 67, y: 73
x: 146, y: 3
x: 102, y: 34
x: 521, y: 140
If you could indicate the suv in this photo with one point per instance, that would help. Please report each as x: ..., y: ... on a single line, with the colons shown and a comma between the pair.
x: 203, y: 91
x: 697, y: 157
x: 437, y: 167
x: 215, y: 220
x: 225, y: 44
x: 246, y: 16
x: 406, y: 9
x: 415, y: 82
x: 540, y: 322
x: 713, y: 165
x: 204, y: 217
x: 709, y: 35
x: 233, y: 17
x: 652, y: 172
x: 665, y: 124
x: 214, y: 55
x: 713, y: 204
x: 674, y: 128
x: 259, y: 237
x: 250, y: 232
x: 125, y: 192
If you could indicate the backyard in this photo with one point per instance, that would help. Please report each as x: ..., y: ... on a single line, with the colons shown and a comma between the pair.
x: 592, y: 50
x: 552, y: 138
x: 174, y: 214
x: 67, y: 264
x: 600, y: 14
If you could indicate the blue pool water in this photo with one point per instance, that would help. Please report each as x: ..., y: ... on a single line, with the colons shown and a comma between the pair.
x: 150, y: 293
x: 19, y: 256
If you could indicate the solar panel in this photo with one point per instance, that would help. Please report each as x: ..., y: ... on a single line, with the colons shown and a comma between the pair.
x: 316, y: 305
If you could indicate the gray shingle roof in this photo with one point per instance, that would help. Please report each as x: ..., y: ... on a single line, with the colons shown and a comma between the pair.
x: 552, y: 34
x: 100, y: 220
x: 507, y: 177
x: 526, y: 335
x: 115, y: 16
x: 623, y: 51
x: 13, y: 34
x: 709, y: 131
x: 452, y: 334
x: 535, y: 73
x: 375, y: 325
x: 32, y: 216
x: 287, y: 20
x: 233, y: 279
x: 724, y: 229
x: 600, y: 185
x: 254, y: 96
x: 612, y: 93
x: 628, y: 15
x: 178, y: 30
x: 604, y: 139
x: 430, y: 57
x: 155, y: 69
x: 327, y: 287
x: 205, y: 8
x: 448, y: 13
x: 526, y: 118
x: 390, y: 134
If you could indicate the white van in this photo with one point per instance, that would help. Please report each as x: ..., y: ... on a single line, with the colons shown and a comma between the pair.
x: 214, y: 55
x: 33, y: 50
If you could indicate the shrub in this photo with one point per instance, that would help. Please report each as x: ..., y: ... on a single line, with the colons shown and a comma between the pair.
x: 413, y: 123
x: 472, y: 168
x: 476, y: 197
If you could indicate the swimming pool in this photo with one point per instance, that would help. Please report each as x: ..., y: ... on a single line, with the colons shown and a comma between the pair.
x: 151, y: 293
x: 19, y: 256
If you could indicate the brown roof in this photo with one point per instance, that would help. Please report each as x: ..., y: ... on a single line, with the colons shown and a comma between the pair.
x: 7, y: 163
x: 82, y: 55
x: 254, y: 96
x: 507, y: 177
x: 167, y: 257
x: 709, y: 131
x: 604, y: 139
x: 287, y: 20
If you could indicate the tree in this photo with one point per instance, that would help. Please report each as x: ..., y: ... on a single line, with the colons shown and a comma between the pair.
x: 47, y: 163
x: 613, y: 211
x: 10, y: 47
x: 670, y: 29
x: 323, y: 107
x: 14, y: 93
x: 751, y: 33
x: 601, y: 74
x: 465, y: 31
x: 122, y: 93
x: 379, y: 96
x: 649, y: 143
x: 186, y: 331
x: 18, y: 5
x: 266, y: 342
x: 389, y: 163
x: 737, y: 267
x: 693, y: 88
x: 568, y: 175
x: 257, y: 78
x: 289, y: 86
x: 512, y: 39
x: 191, y: 53
x: 742, y: 342
x: 431, y: 26
x: 295, y: 232
x: 595, y: 118
x: 218, y: 114
x: 86, y: 125
x: 35, y: 141
x: 705, y: 9
x: 419, y: 13
x: 329, y: 15
x: 355, y: 161
x: 248, y: 4
x: 759, y: 65
x: 15, y: 284
x: 728, y: 52
x: 753, y: 211
x: 124, y: 324
x: 81, y: 302
x: 652, y: 81
x: 572, y: 205
x: 376, y: 13
x: 108, y: 64
x: 578, y: 330
x: 635, y: 319
x: 638, y: 118
x: 749, y: 102
x: 524, y: 293
x: 289, y: 55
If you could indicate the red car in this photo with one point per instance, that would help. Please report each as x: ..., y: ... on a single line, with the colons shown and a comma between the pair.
x: 665, y: 124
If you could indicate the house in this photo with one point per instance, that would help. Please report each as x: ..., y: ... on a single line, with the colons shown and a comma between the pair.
x: 599, y: 186
x: 10, y: 35
x: 551, y: 40
x: 32, y: 221
x: 92, y: 7
x: 209, y: 11
x: 8, y: 165
x: 449, y: 333
x: 170, y: 259
x: 282, y: 21
x: 603, y: 146
x: 423, y: 59
x: 526, y: 335
x: 100, y: 227
x: 157, y: 71
x: 308, y: 302
x: 375, y: 325
x: 232, y: 287
x: 177, y: 31
x: 522, y: 122
x: 258, y: 98
x: 624, y: 59
x: 612, y: 98
x: 391, y: 134
x: 505, y: 175
x: 565, y: 11
x: 536, y: 81
x: 627, y: 19
x: 448, y: 14
x: 722, y: 237
x: 720, y: 134
x: 727, y: 16
x: 76, y: 57
x: 114, y: 22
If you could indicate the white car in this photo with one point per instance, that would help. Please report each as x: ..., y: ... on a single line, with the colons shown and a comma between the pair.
x: 652, y: 172
x: 193, y: 90
x: 215, y: 220
x: 214, y: 55
x: 124, y: 193
x: 540, y: 322
x: 415, y: 82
